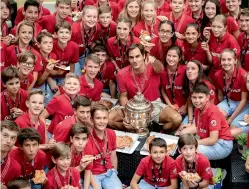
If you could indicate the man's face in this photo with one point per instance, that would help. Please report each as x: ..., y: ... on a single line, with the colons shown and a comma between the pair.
x: 8, y: 139
x: 30, y: 149
x: 136, y: 58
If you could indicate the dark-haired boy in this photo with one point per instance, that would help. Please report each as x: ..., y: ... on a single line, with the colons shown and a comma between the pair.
x: 19, y: 183
x: 12, y: 98
x: 29, y: 156
x: 10, y: 169
x: 158, y: 170
x: 190, y: 161
x: 81, y: 107
x: 107, y: 69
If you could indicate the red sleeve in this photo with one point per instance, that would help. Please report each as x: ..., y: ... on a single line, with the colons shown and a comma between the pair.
x: 243, y: 82
x: 109, y: 49
x: 178, y: 164
x: 136, y: 30
x: 214, y: 122
x: 76, y: 177
x: 75, y: 50
x: 121, y: 85
x: 232, y: 25
x: 206, y: 173
x: 88, y: 151
x: 141, y: 168
x: 19, y: 16
x: 52, y: 106
x: 60, y: 133
x: 173, y: 170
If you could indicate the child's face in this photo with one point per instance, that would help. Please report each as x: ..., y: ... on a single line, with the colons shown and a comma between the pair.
x: 79, y: 141
x: 192, y: 71
x: 102, y: 56
x: 149, y: 12
x: 165, y: 33
x: 100, y: 120
x: 5, y: 12
x: 30, y: 149
x: 8, y: 139
x: 63, y: 35
x: 247, y: 82
x: 63, y: 10
x: 227, y: 61
x: 46, y: 45
x: 13, y: 85
x: 35, y: 104
x: 210, y: 10
x: 27, y: 67
x: 92, y: 69
x: 62, y: 163
x: 188, y: 152
x: 25, y: 34
x: 244, y: 23
x: 232, y: 5
x: 191, y: 35
x: 177, y: 5
x: 123, y: 30
x: 158, y: 154
x: 218, y: 28
x: 199, y: 100
x: 172, y: 58
x: 71, y: 86
x: 83, y: 113
x: 89, y: 18
x: 196, y: 5
x: 133, y: 9
x: 31, y: 14
x: 105, y: 19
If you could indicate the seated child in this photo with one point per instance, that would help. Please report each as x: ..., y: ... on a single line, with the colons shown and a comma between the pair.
x: 10, y: 169
x: 19, y: 183
x: 62, y: 175
x: 192, y: 161
x: 12, y: 98
x: 29, y: 156
x: 158, y: 170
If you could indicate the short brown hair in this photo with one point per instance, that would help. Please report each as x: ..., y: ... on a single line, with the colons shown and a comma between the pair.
x: 81, y: 101
x: 42, y: 35
x: 79, y: 129
x: 28, y: 134
x: 93, y: 57
x: 89, y: 7
x: 34, y: 92
x: 9, y: 73
x: 60, y: 150
x: 18, y: 183
x: 23, y: 56
x: 10, y: 125
x: 64, y: 25
x: 67, y: 2
x: 244, y: 12
x: 187, y: 139
x: 97, y: 107
x: 104, y: 9
x: 71, y: 75
x: 134, y: 46
x: 159, y: 142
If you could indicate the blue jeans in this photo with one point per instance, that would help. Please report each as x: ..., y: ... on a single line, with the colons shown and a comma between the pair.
x: 108, y: 180
x: 145, y: 185
x: 80, y: 65
x: 229, y: 110
x: 220, y: 150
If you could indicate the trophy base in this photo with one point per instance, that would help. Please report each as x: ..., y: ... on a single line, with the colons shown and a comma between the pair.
x: 143, y: 133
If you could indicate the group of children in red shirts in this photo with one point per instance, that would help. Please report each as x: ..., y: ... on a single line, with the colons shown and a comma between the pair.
x: 194, y: 56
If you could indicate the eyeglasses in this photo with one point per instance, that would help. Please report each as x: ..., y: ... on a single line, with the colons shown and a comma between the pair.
x: 166, y: 32
x: 28, y: 64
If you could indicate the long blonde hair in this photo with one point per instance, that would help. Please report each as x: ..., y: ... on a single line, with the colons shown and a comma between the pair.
x: 124, y: 12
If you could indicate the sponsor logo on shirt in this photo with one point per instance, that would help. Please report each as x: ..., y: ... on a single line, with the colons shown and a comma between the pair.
x: 203, y: 130
x: 233, y: 90
x: 213, y: 123
x: 175, y: 87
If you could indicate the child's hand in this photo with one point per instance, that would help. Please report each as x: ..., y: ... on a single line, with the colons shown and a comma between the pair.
x: 162, y: 18
x: 207, y: 33
x: 150, y: 60
x: 54, y: 88
x: 182, y: 110
x: 247, y: 164
x: 179, y: 36
x: 246, y: 118
x: 192, y: 184
x: 51, y: 142
x: 16, y: 112
x: 86, y: 160
x: 205, y: 46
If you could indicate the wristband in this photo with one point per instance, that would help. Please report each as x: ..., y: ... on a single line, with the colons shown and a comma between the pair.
x: 190, y: 121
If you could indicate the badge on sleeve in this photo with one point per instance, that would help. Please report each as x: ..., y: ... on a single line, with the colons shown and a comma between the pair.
x: 208, y: 170
x: 213, y: 123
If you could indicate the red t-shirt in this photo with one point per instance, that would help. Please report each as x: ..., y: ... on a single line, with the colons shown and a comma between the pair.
x: 244, y: 45
x: 141, y: 26
x: 92, y: 93
x: 37, y: 30
x: 61, y: 108
x: 29, y: 168
x: 232, y: 25
x: 55, y: 180
x: 27, y: 82
x: 62, y: 130
x: 2, y: 57
x: 181, y: 22
x: 4, y: 29
x: 13, y: 51
x: 25, y: 122
x: 19, y: 17
x: 197, y: 54
x: 48, y: 22
x: 163, y: 9
x: 8, y: 103
x: 91, y: 149
x: 83, y: 3
x: 118, y: 51
x: 107, y: 73
x: 223, y: 6
x: 217, y: 46
x: 168, y: 171
x: 160, y: 49
x: 10, y: 170
x: 238, y: 82
x: 176, y: 80
x: 80, y: 38
x: 149, y: 83
x: 202, y: 166
x: 211, y: 119
x: 76, y: 157
x: 105, y: 33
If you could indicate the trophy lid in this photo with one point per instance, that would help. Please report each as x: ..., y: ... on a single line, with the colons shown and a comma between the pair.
x: 139, y: 103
